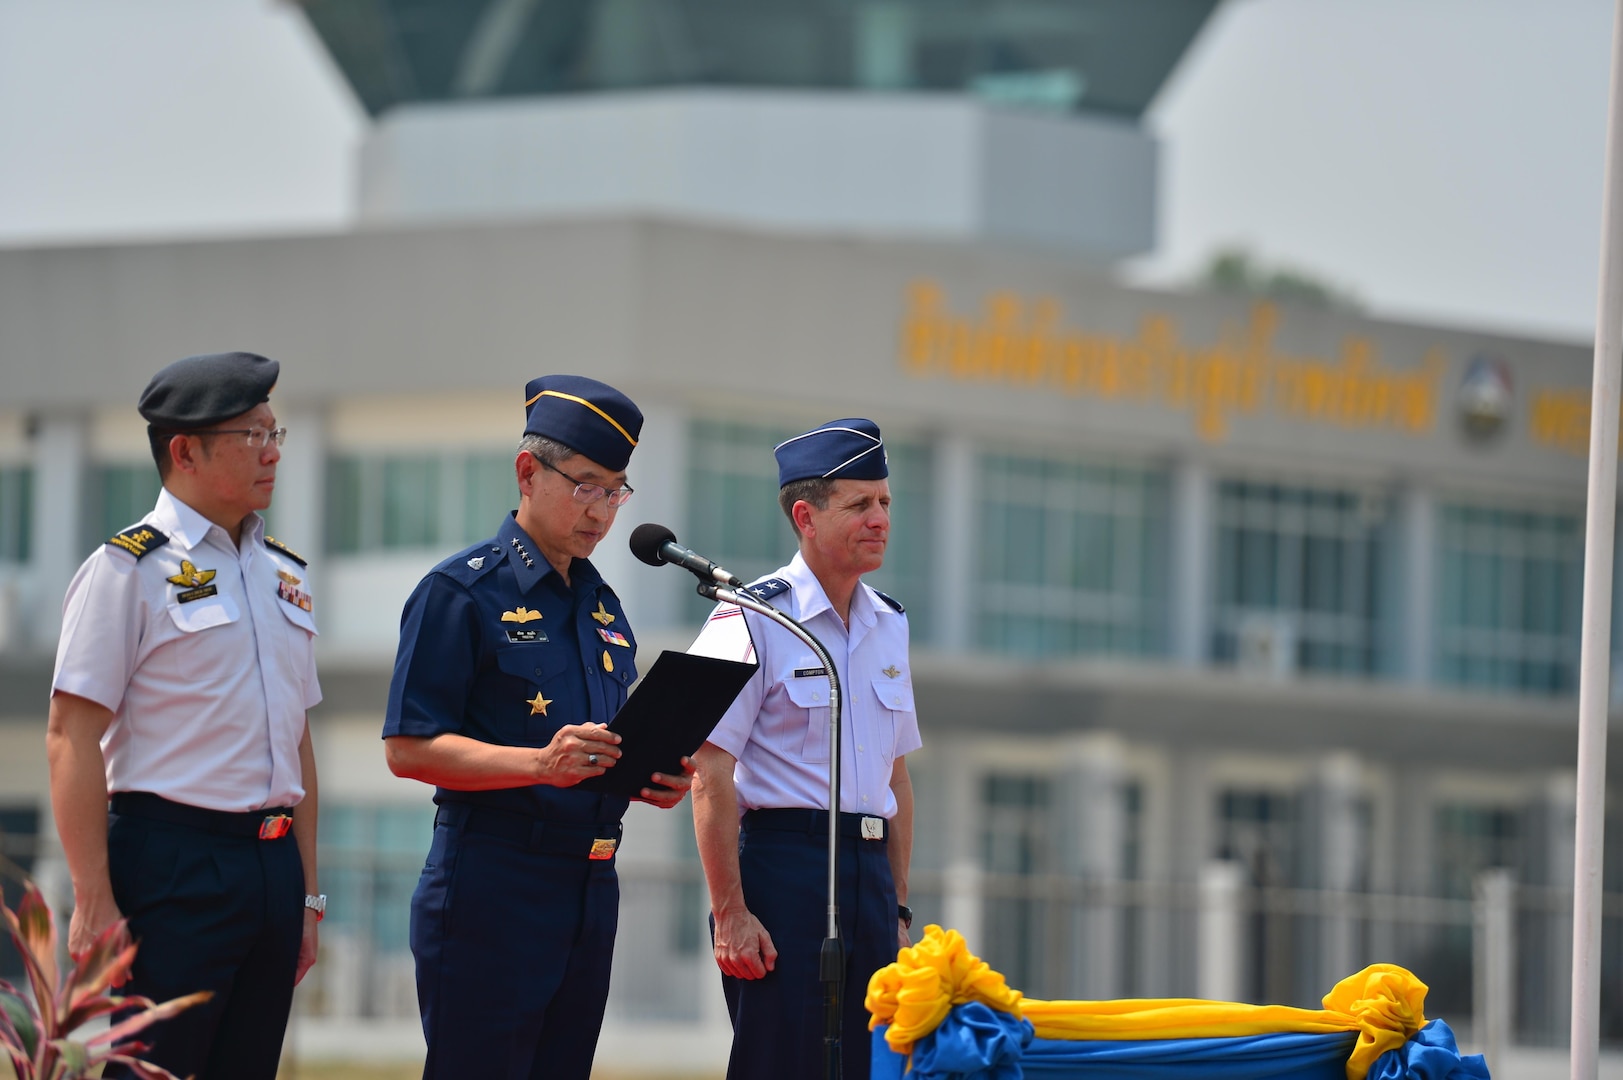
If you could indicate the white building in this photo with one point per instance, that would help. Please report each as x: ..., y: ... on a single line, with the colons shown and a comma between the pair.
x: 1192, y: 578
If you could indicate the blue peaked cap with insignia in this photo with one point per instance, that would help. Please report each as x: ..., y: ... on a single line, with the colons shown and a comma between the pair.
x: 850, y: 449
x: 589, y: 417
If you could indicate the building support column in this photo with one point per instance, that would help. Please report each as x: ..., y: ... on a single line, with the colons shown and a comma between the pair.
x: 1189, y: 590
x: 1414, y: 609
x: 954, y: 543
x: 61, y: 468
x: 1093, y: 817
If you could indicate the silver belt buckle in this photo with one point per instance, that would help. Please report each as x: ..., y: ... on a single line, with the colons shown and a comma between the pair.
x: 873, y: 828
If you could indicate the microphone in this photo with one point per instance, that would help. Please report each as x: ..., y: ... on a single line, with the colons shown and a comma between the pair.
x: 655, y: 544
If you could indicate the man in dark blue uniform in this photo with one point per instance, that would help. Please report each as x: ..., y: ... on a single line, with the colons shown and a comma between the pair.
x: 513, y: 656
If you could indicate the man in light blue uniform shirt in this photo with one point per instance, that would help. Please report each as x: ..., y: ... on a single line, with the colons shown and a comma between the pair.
x: 760, y: 799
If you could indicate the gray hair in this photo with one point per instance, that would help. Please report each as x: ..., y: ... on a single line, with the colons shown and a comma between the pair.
x: 816, y: 490
x: 545, y: 450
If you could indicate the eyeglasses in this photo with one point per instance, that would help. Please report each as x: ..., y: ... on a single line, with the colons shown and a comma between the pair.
x: 258, y: 437
x: 591, y: 493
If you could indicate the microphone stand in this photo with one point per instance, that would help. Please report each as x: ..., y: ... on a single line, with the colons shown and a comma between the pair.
x: 831, y: 961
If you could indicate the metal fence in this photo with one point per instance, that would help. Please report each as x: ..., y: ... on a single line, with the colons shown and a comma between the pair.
x: 1497, y: 965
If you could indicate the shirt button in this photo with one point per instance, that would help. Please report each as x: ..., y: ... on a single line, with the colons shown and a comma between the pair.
x: 865, y: 798
x: 896, y: 700
x: 538, y: 671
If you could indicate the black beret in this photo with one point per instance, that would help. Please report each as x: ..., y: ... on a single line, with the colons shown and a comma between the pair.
x: 203, y: 390
x: 589, y: 417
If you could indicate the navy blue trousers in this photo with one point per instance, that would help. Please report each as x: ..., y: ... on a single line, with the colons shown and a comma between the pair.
x: 211, y: 912
x: 778, y: 1020
x: 513, y: 949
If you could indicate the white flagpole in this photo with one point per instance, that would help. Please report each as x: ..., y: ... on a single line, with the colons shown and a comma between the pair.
x: 1594, y: 668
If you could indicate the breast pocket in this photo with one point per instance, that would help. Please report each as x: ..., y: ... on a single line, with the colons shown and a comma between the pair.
x: 806, y: 737
x: 197, y: 646
x: 544, y: 691
x: 895, y: 702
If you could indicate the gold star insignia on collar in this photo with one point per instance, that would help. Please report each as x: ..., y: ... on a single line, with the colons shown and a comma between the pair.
x: 891, y: 672
x: 190, y: 576
x: 520, y: 615
x: 538, y: 704
x: 603, y: 617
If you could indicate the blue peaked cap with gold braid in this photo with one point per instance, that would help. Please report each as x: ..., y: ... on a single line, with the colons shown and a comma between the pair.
x: 589, y: 417
x: 850, y: 449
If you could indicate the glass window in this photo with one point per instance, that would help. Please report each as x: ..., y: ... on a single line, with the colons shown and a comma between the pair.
x: 123, y: 494
x: 1509, y: 598
x: 16, y: 512
x: 371, y: 855
x: 392, y: 502
x: 1017, y: 846
x: 19, y: 844
x: 1074, y: 554
x: 733, y: 513
x: 1298, y: 569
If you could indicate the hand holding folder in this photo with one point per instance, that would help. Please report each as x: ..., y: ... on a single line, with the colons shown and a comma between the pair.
x: 673, y: 709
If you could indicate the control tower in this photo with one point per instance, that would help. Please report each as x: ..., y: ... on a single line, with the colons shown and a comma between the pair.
x: 1013, y: 123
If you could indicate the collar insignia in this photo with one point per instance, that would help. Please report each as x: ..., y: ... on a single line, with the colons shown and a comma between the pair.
x: 603, y: 617
x: 287, y: 577
x: 520, y: 615
x: 538, y: 704
x: 891, y: 672
x: 190, y: 576
x: 522, y: 553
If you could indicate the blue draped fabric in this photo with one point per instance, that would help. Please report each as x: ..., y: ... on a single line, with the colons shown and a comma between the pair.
x: 978, y: 1043
x: 1431, y: 1055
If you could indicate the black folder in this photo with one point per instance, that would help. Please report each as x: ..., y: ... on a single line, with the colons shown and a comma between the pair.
x: 673, y: 709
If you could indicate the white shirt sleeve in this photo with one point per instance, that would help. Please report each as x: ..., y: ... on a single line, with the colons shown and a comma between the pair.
x: 103, y: 624
x: 726, y: 636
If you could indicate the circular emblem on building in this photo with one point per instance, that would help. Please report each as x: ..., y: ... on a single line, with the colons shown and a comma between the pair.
x: 1485, y: 397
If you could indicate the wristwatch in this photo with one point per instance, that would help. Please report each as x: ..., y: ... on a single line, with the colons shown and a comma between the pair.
x: 905, y: 915
x: 317, y: 904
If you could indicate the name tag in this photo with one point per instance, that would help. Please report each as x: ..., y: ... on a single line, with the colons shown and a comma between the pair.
x: 809, y: 672
x: 519, y: 636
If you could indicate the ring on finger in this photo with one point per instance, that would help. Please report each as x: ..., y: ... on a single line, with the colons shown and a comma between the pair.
x: 591, y: 759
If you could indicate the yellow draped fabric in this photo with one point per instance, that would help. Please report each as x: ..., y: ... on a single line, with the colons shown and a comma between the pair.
x: 1384, y: 1003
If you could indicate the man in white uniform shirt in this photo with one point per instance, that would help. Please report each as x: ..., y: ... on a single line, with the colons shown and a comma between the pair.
x: 182, y: 776
x: 760, y: 798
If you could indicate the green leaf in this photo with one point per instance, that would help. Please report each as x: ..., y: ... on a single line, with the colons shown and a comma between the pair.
x: 30, y: 926
x: 19, y: 1019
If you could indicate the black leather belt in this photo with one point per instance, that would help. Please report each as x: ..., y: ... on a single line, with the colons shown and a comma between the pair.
x: 586, y: 841
x: 815, y: 822
x: 271, y: 823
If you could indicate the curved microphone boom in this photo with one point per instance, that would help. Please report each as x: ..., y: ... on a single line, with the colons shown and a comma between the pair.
x: 655, y: 544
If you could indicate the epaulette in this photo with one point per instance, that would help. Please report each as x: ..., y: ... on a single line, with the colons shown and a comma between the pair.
x: 139, y: 540
x: 891, y: 600
x: 766, y: 590
x: 272, y: 542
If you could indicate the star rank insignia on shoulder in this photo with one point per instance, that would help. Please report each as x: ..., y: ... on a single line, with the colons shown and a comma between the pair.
x: 520, y: 615
x: 602, y: 616
x: 139, y: 540
x: 277, y: 545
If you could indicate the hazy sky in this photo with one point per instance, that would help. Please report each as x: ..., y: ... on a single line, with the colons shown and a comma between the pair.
x: 1439, y: 158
